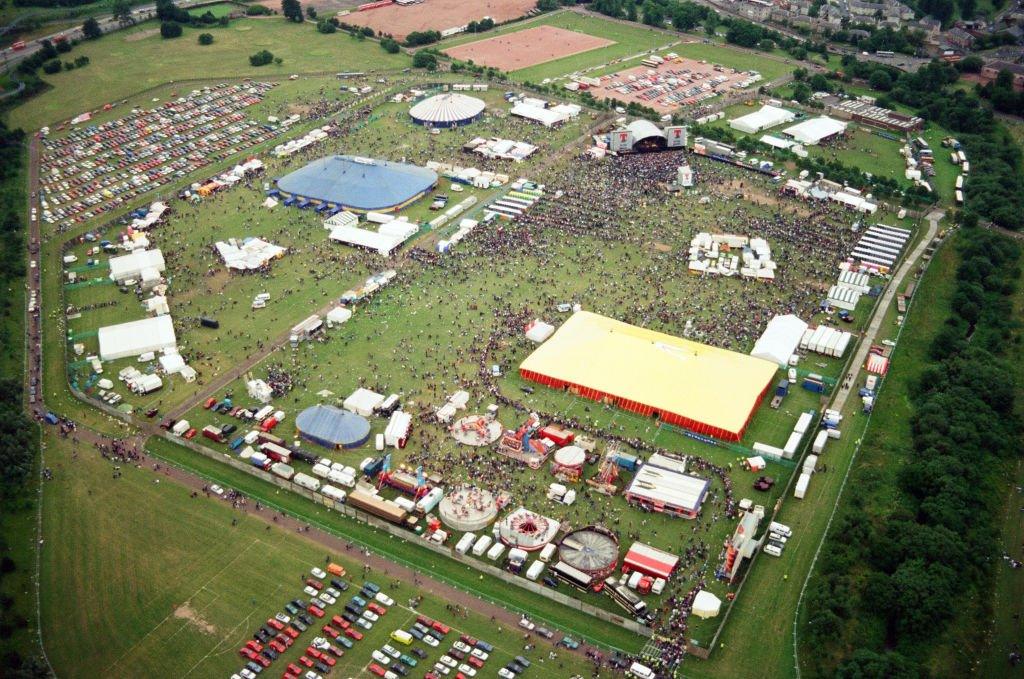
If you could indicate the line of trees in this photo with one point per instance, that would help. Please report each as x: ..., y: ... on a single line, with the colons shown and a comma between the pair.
x: 911, y: 545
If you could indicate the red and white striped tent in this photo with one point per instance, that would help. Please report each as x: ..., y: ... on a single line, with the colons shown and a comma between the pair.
x: 649, y: 560
x: 878, y: 365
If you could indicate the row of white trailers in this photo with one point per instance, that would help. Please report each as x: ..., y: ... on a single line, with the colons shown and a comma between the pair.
x: 881, y: 245
x: 826, y: 340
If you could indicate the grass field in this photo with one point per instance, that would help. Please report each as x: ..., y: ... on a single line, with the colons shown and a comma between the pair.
x: 174, y: 588
x: 121, y: 64
x: 630, y: 39
x: 220, y: 9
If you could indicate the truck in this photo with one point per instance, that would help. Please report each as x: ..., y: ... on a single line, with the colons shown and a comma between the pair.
x: 52, y: 419
x: 818, y: 447
x: 213, y: 433
x: 180, y: 427
x: 781, y: 391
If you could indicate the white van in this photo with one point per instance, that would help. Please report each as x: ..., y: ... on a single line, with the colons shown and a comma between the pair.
x: 773, y: 550
x: 780, y: 528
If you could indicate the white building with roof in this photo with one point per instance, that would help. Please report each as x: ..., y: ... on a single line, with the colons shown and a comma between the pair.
x: 766, y: 117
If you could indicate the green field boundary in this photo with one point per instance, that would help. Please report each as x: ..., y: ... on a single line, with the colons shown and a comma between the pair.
x: 393, y: 555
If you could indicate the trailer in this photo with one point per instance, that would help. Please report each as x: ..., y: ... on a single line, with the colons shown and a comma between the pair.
x: 819, y: 442
x: 285, y: 471
x: 213, y: 433
x: 801, y: 486
x: 465, y: 543
x: 333, y: 493
x: 372, y: 504
x: 306, y: 481
x: 482, y: 544
x: 535, y: 569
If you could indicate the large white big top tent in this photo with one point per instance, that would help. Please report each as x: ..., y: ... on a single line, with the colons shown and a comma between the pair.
x: 136, y: 337
x: 780, y: 339
x: 764, y: 118
x: 447, y: 110
x: 706, y: 604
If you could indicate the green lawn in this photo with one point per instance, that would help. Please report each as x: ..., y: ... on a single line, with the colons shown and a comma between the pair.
x: 220, y: 9
x: 126, y: 62
x: 174, y: 589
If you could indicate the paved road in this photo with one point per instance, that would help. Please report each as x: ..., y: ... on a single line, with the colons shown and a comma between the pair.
x: 871, y: 332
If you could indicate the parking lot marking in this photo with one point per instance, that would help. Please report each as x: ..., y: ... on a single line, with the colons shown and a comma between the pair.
x: 171, y: 614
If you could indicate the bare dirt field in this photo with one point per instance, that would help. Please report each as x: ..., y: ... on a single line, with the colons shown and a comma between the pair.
x: 523, y: 49
x: 665, y: 88
x: 437, y: 15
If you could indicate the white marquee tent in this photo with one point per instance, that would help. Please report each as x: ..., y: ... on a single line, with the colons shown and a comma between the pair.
x: 136, y: 337
x: 815, y: 130
x: 780, y: 339
x: 136, y: 264
x: 766, y: 117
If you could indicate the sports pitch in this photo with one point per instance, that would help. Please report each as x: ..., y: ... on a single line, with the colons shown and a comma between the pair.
x: 524, y: 49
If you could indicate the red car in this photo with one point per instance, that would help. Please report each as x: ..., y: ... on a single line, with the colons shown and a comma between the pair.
x: 191, y: 433
x: 376, y: 669
x: 291, y: 631
x: 305, y: 661
x: 284, y: 639
x: 316, y: 610
x: 209, y: 403
x: 354, y: 634
x: 278, y: 646
x: 315, y: 584
x: 262, y: 661
x: 312, y: 652
x: 441, y: 627
x: 335, y: 651
x: 275, y: 623
x: 339, y: 622
x: 247, y: 652
x: 475, y: 661
x: 293, y: 669
x: 468, y: 640
x: 254, y: 645
x: 424, y: 620
x: 377, y: 608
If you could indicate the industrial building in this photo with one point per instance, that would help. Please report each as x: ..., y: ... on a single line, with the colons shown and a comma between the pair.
x: 709, y: 390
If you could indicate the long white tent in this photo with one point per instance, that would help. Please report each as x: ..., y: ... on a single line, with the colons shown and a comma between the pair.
x: 815, y: 130
x: 136, y: 337
x: 780, y: 339
x: 762, y: 119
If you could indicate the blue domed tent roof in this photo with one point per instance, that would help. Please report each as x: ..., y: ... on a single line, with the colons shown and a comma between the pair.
x: 332, y: 427
x: 360, y: 184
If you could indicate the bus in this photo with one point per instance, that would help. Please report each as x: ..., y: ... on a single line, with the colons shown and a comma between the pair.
x: 884, y: 53
x: 572, y: 576
x: 959, y: 182
x: 959, y: 197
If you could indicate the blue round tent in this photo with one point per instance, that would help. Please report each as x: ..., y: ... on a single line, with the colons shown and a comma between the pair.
x: 332, y: 427
x: 358, y: 184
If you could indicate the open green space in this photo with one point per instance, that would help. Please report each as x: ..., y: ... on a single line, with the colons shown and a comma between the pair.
x: 220, y: 9
x: 175, y: 584
x: 123, y: 63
